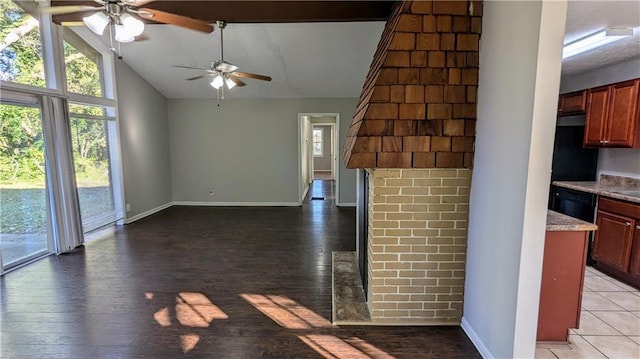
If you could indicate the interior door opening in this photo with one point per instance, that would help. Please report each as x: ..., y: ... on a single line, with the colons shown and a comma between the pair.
x: 318, y: 147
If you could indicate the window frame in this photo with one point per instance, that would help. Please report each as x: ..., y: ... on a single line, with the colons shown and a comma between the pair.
x: 313, y: 142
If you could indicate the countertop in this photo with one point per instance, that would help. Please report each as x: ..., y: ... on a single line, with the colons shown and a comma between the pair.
x: 623, y: 188
x: 558, y: 222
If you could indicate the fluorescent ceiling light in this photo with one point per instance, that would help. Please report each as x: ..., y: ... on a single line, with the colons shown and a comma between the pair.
x: 597, y: 39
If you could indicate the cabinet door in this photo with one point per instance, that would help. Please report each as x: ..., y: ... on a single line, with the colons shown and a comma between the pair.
x: 623, y: 116
x: 614, y: 237
x: 634, y: 265
x: 596, y: 118
x: 575, y: 102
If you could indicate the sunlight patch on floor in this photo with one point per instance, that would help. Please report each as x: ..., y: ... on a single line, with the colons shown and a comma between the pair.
x: 286, y: 312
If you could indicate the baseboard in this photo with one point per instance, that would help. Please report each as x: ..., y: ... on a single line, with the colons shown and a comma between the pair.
x: 236, y: 204
x: 304, y: 195
x: 475, y: 339
x: 140, y: 216
x: 347, y: 204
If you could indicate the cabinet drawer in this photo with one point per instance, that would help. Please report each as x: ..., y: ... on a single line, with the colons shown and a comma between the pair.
x: 619, y: 207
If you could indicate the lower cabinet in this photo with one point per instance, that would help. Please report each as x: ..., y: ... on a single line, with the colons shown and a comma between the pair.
x: 634, y: 264
x: 565, y: 254
x: 616, y: 247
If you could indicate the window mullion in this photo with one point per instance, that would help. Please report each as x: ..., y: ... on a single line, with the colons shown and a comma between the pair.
x: 53, y: 55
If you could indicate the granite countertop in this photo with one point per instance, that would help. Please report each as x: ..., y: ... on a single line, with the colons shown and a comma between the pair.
x: 558, y: 222
x: 624, y: 188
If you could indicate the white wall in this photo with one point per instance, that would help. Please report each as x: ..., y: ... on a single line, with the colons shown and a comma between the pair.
x: 520, y: 60
x: 610, y: 160
x: 246, y: 149
x: 615, y: 73
x: 144, y: 141
x: 323, y: 163
x: 619, y: 161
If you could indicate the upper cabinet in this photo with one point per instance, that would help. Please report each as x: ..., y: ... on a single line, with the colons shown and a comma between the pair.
x: 572, y: 103
x: 613, y: 116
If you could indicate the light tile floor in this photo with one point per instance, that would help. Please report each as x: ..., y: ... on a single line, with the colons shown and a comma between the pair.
x: 609, y: 322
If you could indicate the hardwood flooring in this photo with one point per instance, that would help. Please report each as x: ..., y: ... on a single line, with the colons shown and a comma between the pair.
x: 204, y: 282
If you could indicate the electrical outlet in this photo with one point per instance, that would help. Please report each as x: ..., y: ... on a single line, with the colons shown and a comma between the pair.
x: 128, y: 207
x: 210, y: 191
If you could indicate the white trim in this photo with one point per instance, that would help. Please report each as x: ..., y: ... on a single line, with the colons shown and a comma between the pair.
x: 336, y: 146
x: 475, y: 339
x: 236, y: 204
x: 304, y: 195
x: 148, y: 213
x: 347, y: 204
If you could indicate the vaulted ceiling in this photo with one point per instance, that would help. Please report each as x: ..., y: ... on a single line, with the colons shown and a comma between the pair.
x: 313, y: 48
x: 260, y: 11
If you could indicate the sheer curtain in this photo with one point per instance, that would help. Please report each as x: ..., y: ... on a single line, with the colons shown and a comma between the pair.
x: 62, y: 194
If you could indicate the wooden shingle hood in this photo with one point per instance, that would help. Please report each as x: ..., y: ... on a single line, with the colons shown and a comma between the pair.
x: 418, y: 104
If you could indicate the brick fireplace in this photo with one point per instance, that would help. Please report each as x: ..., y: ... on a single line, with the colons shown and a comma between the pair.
x: 413, y: 132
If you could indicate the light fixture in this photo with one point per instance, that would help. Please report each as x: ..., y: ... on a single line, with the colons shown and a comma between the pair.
x: 217, y: 82
x: 132, y: 25
x: 229, y: 82
x: 97, y: 22
x: 126, y: 26
x: 122, y: 34
x: 597, y: 39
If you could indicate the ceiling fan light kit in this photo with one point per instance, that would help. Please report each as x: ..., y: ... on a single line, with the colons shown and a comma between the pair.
x: 122, y: 18
x: 223, y: 73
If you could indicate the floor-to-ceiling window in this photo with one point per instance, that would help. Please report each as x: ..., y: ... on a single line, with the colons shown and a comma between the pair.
x: 23, y: 208
x: 49, y: 150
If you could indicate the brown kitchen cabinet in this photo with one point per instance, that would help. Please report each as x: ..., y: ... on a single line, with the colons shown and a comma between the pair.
x: 634, y: 263
x: 572, y: 103
x: 613, y: 115
x: 616, y: 247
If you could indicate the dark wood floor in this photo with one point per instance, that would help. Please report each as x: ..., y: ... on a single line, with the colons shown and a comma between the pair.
x: 204, y: 282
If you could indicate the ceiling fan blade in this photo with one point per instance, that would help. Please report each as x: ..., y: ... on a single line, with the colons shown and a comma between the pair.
x: 138, y: 3
x: 237, y: 81
x: 194, y: 68
x: 173, y: 19
x: 249, y: 75
x: 68, y: 9
x: 200, y: 77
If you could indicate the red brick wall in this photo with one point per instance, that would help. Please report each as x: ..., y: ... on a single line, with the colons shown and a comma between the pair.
x: 418, y: 104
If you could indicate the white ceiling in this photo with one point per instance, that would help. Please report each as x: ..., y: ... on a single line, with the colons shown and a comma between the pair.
x: 304, y: 59
x: 327, y: 59
x: 587, y: 17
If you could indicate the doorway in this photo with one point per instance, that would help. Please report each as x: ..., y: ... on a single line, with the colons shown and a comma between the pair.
x: 318, y: 147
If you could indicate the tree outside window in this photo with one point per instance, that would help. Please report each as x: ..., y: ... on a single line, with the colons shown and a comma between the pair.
x: 318, y: 141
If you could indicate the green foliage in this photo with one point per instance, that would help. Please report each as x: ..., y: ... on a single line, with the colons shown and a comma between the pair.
x: 21, y: 60
x: 21, y: 140
x: 83, y: 75
x: 21, y: 145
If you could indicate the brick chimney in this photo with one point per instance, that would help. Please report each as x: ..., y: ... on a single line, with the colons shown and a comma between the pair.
x: 413, y: 131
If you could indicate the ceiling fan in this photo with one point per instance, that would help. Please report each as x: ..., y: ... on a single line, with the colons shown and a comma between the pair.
x: 224, y: 73
x: 124, y: 16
